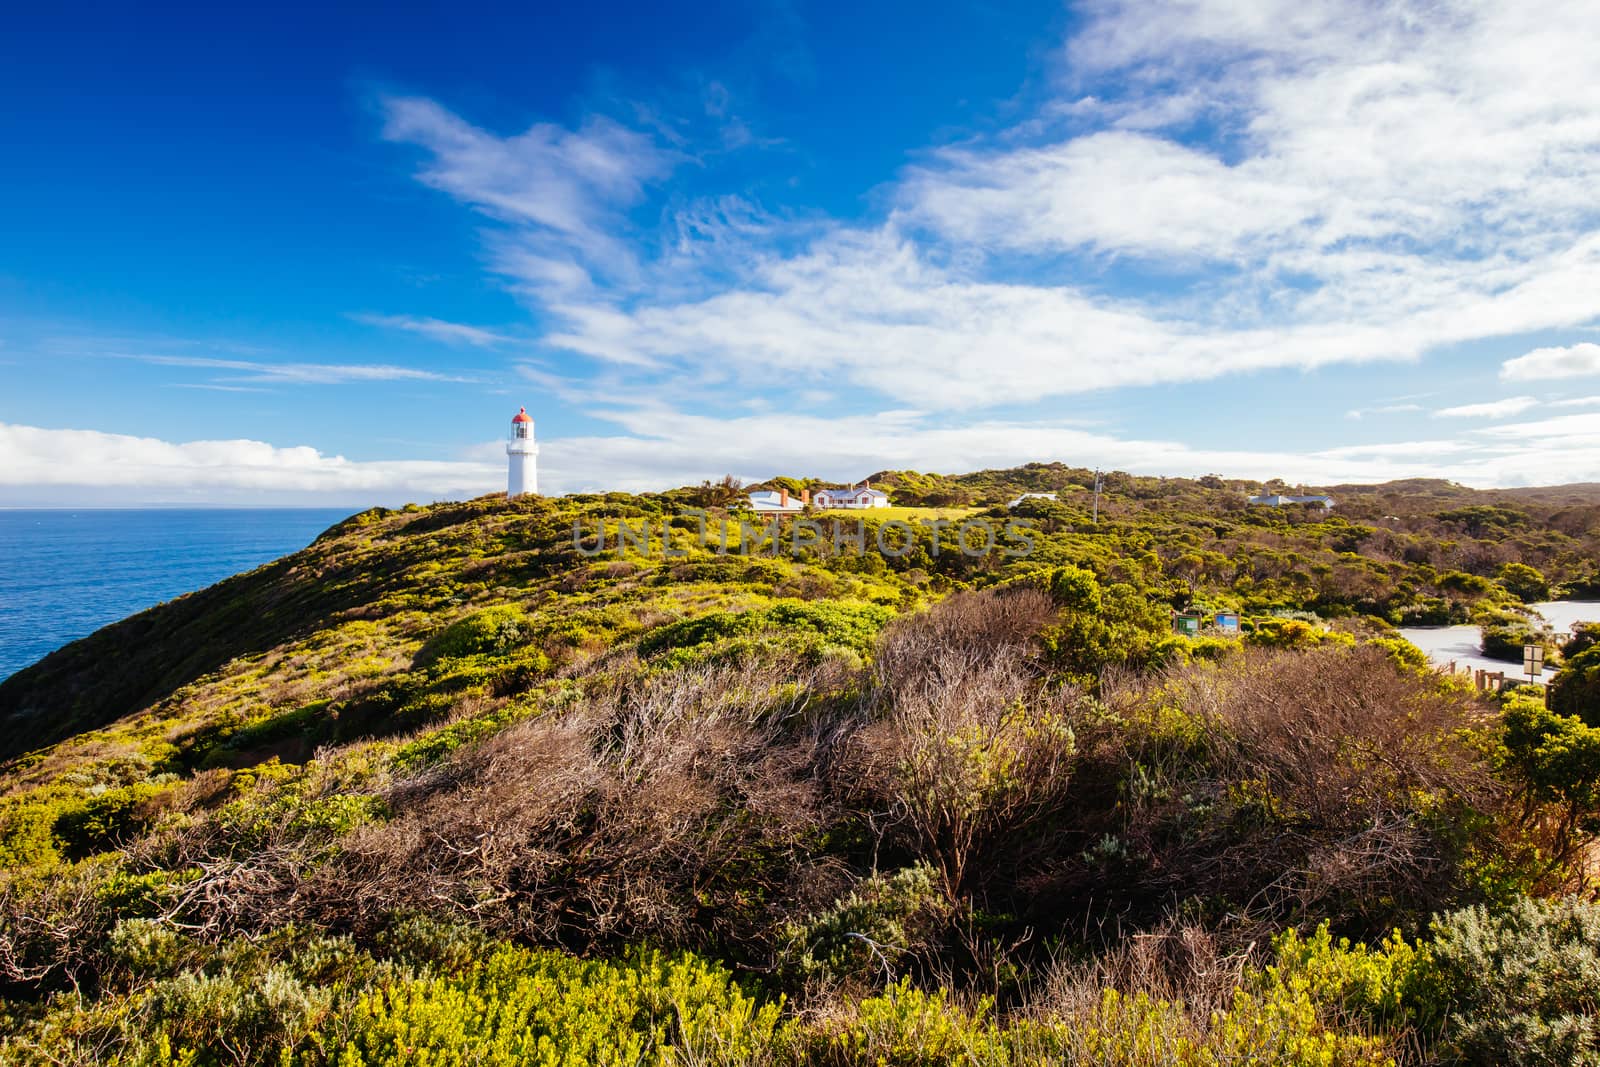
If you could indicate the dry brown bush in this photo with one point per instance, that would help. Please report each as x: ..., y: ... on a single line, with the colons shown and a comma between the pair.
x: 967, y: 745
x: 1174, y: 961
x: 936, y: 649
x: 1338, y: 786
x: 51, y: 925
x: 677, y: 807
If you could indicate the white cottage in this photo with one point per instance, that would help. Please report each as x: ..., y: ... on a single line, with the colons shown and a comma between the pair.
x: 852, y: 497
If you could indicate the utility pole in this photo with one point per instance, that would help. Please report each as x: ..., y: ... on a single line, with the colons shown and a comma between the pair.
x: 1099, y: 480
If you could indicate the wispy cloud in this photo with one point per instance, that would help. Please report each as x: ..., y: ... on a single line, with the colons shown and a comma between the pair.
x: 564, y: 190
x: 1384, y: 409
x: 1575, y: 361
x: 1412, y: 183
x: 1490, y: 409
x: 1574, y: 431
x: 454, y: 333
x: 303, y: 373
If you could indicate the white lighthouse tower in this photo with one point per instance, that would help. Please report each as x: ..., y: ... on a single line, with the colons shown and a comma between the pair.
x: 522, y: 475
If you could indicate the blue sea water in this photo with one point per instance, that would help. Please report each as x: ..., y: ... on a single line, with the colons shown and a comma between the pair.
x: 65, y: 574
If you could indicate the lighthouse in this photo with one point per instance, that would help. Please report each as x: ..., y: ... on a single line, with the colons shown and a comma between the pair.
x: 522, y: 457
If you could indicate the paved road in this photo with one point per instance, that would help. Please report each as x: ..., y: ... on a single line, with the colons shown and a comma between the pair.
x: 1462, y: 643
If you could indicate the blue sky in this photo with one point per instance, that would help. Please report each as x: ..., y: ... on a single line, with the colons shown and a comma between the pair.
x: 282, y: 256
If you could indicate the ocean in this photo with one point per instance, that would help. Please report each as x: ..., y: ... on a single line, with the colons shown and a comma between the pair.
x: 65, y: 574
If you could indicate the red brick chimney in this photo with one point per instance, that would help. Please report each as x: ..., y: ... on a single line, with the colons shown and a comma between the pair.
x: 805, y: 498
x: 783, y: 497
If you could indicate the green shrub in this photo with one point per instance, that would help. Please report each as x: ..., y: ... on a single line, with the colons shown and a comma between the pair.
x: 434, y: 746
x: 1554, y: 757
x: 1402, y: 652
x: 809, y: 629
x: 1461, y: 582
x: 1524, y: 582
x: 1098, y: 627
x: 146, y: 949
x: 107, y: 821
x: 907, y: 1027
x: 426, y: 942
x: 1506, y: 632
x: 1520, y: 986
x: 1293, y: 634
x: 866, y: 933
x: 493, y: 631
x: 1575, y: 690
x: 226, y: 1016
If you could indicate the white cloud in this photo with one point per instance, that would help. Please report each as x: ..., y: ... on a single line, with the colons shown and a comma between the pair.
x: 303, y: 373
x: 436, y: 329
x: 563, y: 188
x: 1576, y: 430
x: 1574, y: 361
x: 36, y: 463
x: 1388, y: 179
x: 663, y: 447
x: 1491, y: 409
x: 1577, y: 402
x: 659, y: 447
x: 1111, y: 191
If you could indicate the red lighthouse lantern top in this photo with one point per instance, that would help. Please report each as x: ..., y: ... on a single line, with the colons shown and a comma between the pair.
x: 521, y: 416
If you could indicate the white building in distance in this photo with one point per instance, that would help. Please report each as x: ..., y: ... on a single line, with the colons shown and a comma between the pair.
x: 522, y: 457
x: 1278, y: 500
x: 852, y: 497
x: 780, y: 502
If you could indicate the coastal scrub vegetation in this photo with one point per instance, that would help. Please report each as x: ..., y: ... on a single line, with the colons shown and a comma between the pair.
x: 444, y: 788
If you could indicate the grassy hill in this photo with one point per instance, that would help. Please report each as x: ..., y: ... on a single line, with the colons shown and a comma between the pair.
x: 457, y: 784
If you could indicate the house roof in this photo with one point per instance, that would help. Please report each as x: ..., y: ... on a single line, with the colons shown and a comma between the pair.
x: 770, y: 499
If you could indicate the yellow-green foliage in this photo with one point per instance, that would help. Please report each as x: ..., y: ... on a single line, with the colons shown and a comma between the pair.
x: 907, y: 1027
x: 1402, y: 652
x: 40, y: 826
x: 910, y: 1028
x: 522, y: 1007
x: 322, y: 799
x: 1294, y: 633
x: 1556, y: 757
x: 810, y: 629
x: 435, y: 745
x: 27, y: 833
x: 493, y: 631
x: 1353, y: 982
x: 318, y: 1001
